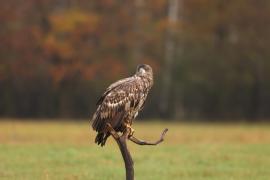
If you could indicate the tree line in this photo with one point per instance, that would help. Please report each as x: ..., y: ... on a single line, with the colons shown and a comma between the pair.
x: 210, y: 58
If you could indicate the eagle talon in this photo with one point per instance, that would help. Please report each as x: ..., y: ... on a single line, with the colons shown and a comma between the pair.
x: 130, y: 130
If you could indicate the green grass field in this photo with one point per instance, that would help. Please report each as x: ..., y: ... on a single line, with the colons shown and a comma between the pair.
x: 65, y: 150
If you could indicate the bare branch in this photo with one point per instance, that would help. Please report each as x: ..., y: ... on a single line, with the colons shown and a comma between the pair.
x: 122, y: 143
x: 142, y: 142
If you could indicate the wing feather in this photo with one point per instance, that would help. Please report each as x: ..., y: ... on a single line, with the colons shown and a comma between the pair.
x: 115, y: 102
x: 113, y: 86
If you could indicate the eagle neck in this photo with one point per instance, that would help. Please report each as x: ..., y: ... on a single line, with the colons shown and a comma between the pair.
x: 146, y: 78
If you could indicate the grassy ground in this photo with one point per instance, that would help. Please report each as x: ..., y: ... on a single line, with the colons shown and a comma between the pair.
x: 65, y: 150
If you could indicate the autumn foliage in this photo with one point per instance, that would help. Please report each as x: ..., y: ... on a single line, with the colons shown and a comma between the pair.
x: 57, y: 57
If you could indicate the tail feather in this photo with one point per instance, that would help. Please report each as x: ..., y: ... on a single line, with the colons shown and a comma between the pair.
x: 95, y: 120
x: 101, y: 138
x: 99, y: 126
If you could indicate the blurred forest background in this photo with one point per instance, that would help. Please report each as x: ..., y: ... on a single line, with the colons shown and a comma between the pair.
x: 210, y: 57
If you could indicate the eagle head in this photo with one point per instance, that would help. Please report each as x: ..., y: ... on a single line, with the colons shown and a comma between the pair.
x: 144, y: 70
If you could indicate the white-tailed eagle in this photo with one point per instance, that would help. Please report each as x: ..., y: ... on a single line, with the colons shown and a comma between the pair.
x: 121, y: 102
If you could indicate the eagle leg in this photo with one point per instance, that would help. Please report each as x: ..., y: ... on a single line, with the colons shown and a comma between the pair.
x: 129, y: 129
x: 112, y: 131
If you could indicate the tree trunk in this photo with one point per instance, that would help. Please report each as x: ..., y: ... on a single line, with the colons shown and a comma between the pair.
x: 256, y: 111
x: 139, y: 12
x: 170, y: 54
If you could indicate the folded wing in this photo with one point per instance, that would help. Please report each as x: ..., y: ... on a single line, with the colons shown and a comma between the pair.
x: 116, y: 104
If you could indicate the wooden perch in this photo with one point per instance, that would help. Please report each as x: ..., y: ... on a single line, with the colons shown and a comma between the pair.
x: 142, y: 142
x: 122, y: 143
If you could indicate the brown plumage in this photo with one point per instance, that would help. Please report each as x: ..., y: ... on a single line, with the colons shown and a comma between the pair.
x: 121, y: 102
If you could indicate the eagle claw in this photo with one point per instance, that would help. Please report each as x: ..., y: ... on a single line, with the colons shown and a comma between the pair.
x: 129, y: 130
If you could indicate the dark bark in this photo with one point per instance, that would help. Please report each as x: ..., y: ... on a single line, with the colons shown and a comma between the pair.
x: 142, y: 142
x: 122, y: 143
